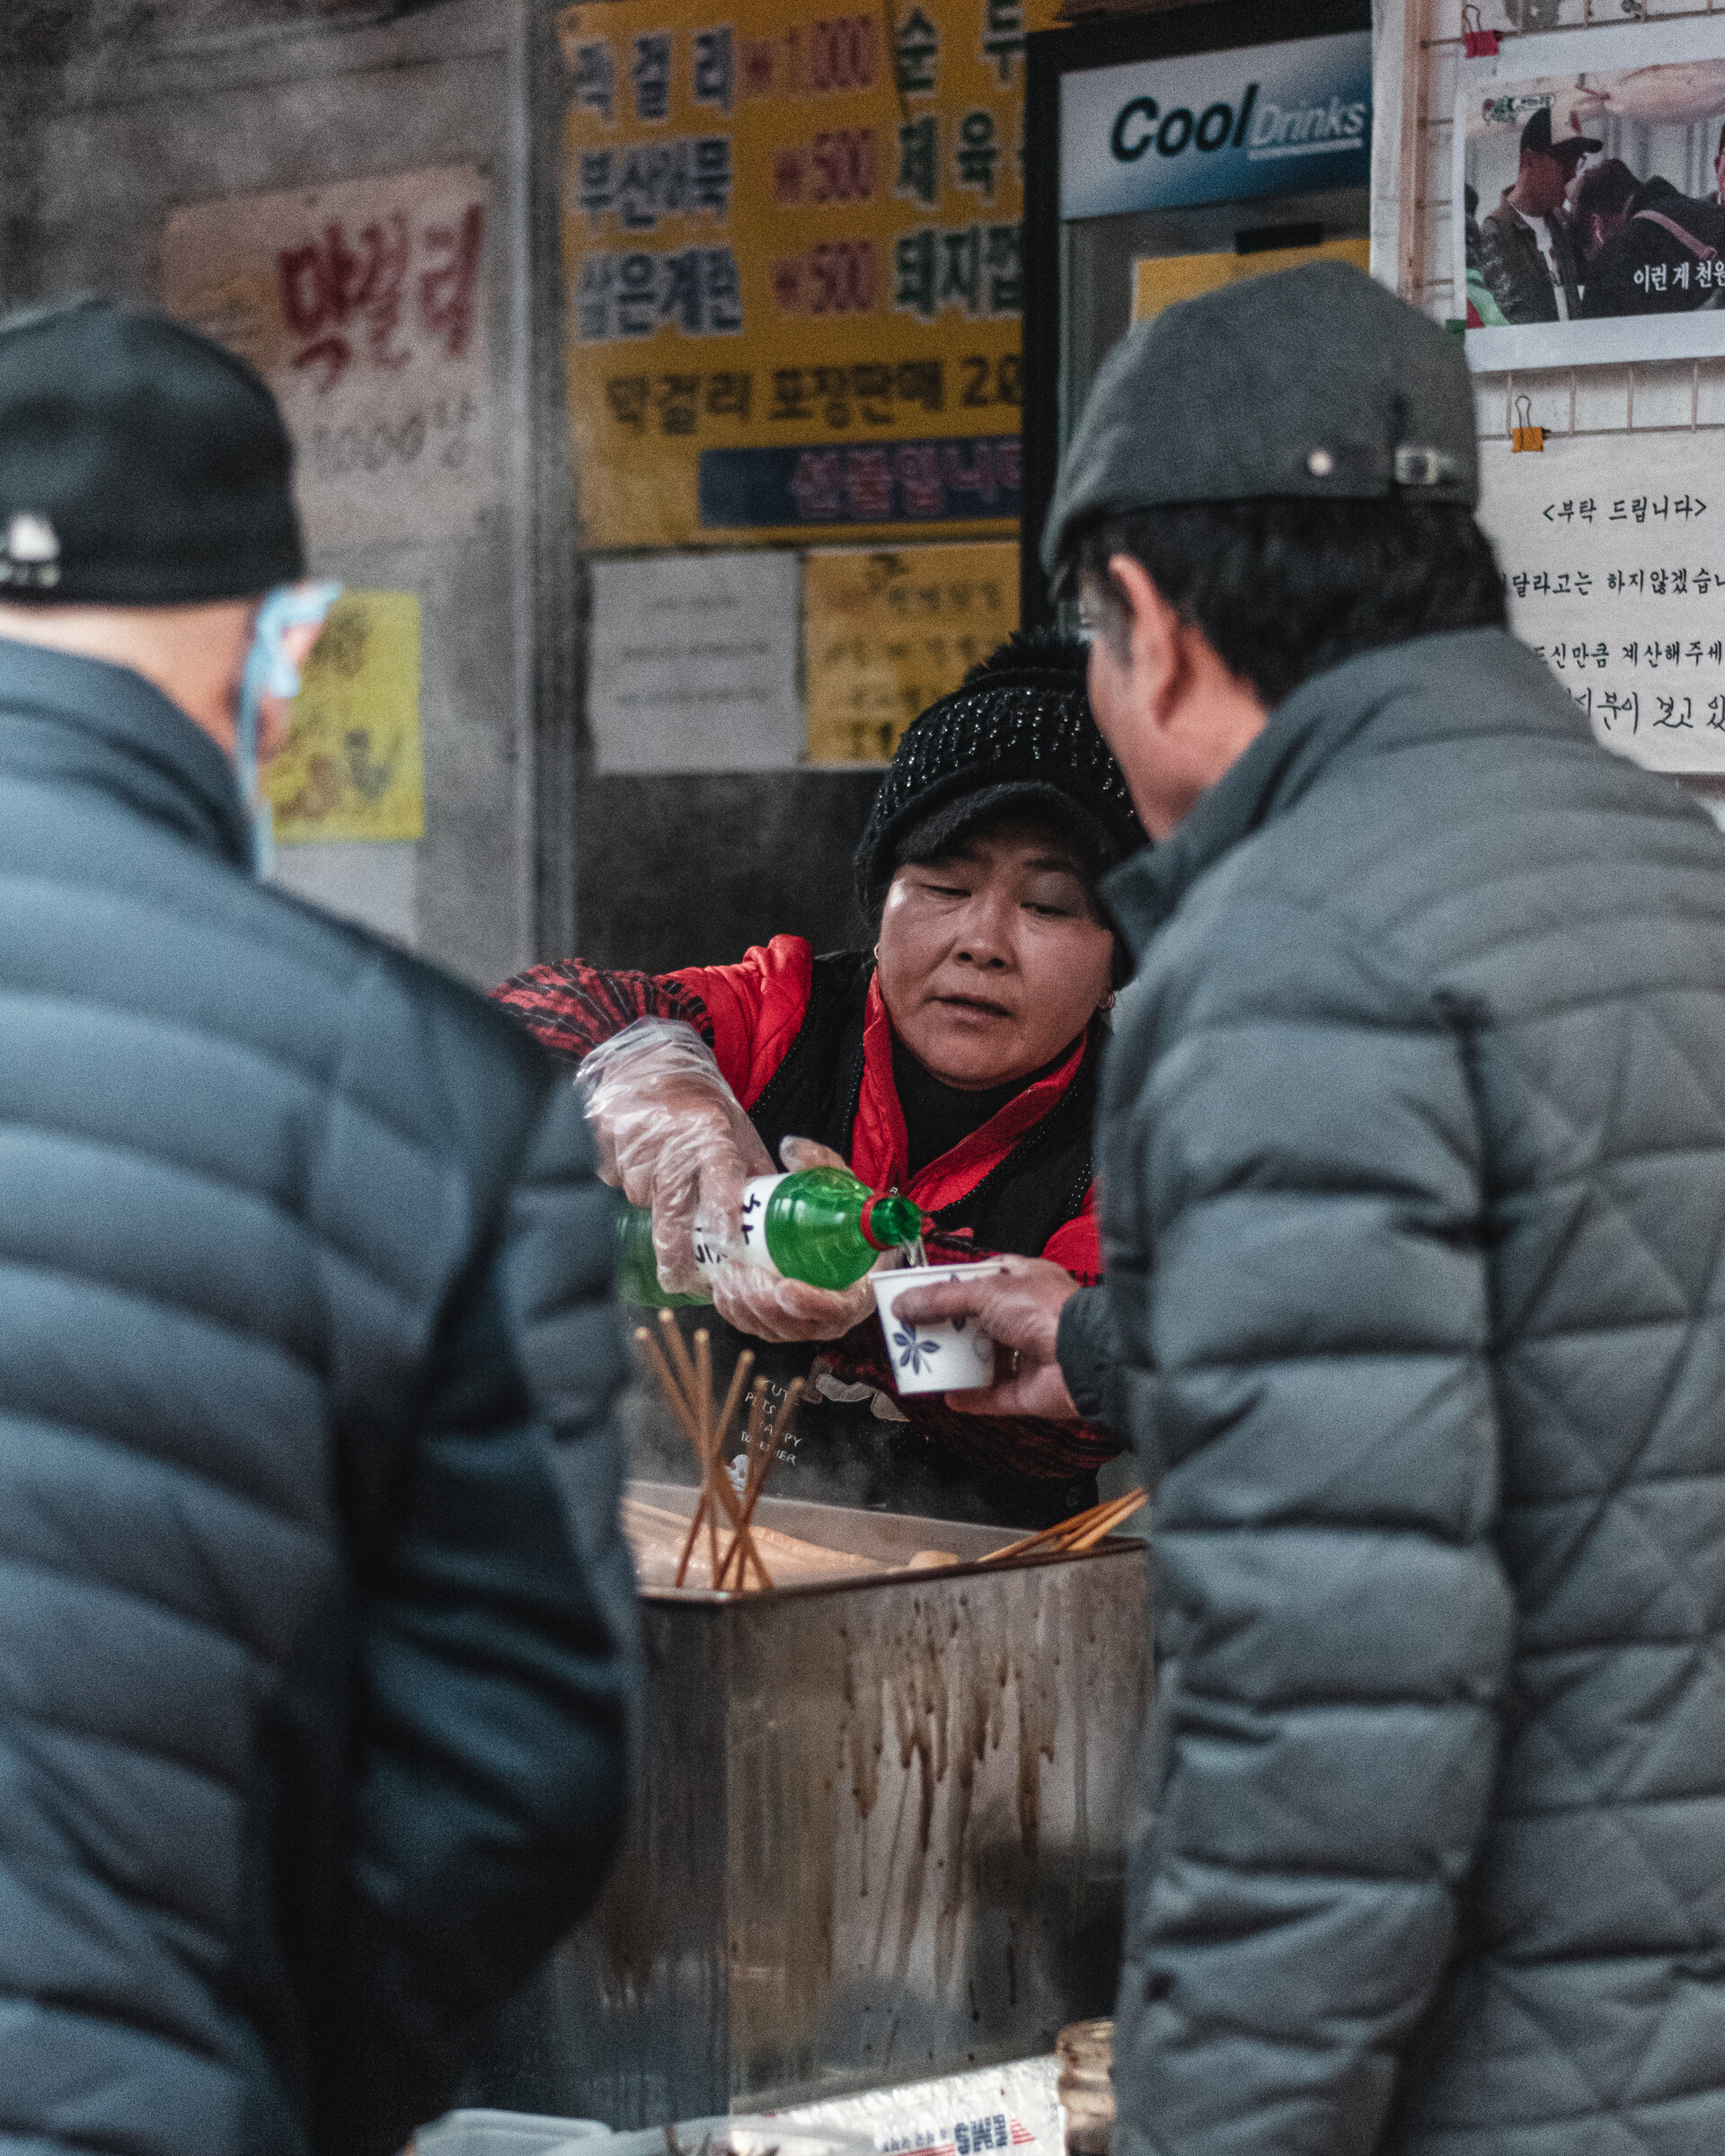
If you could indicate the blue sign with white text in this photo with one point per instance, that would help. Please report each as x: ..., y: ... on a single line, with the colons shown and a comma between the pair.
x: 960, y: 480
x: 1217, y: 126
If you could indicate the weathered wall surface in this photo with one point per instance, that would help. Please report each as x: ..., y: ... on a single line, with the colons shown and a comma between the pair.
x: 111, y: 117
x: 129, y: 128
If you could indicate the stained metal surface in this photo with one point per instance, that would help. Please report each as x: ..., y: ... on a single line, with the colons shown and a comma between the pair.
x: 879, y: 1832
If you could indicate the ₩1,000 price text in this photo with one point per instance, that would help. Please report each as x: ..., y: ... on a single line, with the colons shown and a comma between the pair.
x: 440, y: 433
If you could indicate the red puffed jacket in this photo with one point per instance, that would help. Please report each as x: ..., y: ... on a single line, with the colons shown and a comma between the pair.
x: 806, y: 1045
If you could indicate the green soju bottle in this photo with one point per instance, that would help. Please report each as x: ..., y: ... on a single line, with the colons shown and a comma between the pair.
x: 637, y: 1268
x: 822, y: 1225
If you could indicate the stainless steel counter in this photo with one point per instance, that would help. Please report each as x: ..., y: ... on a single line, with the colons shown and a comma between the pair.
x: 879, y: 1831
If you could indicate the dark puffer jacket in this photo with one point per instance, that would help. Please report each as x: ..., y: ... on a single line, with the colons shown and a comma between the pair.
x: 1413, y: 1172
x: 313, y: 1616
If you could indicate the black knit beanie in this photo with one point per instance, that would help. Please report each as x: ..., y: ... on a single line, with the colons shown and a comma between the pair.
x: 1016, y: 734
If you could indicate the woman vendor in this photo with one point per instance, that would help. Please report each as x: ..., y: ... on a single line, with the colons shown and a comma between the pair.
x: 956, y: 1060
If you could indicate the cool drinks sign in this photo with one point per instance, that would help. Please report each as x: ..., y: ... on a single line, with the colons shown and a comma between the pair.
x: 1217, y: 126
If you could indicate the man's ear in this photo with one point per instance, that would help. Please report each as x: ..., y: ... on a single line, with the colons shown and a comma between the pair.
x: 1155, y: 638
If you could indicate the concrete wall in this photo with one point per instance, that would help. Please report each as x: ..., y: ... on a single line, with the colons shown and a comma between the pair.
x: 128, y: 128
x: 105, y: 128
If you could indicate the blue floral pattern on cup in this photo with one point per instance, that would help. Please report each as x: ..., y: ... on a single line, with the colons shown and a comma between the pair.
x: 911, y: 1346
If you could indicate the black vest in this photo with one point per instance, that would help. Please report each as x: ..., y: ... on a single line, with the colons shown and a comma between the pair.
x: 814, y: 1092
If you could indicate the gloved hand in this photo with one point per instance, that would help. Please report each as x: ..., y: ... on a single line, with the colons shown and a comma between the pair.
x: 672, y: 1134
x: 760, y: 1302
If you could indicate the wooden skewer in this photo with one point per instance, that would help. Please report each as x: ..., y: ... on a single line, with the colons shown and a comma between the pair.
x: 733, y: 1398
x: 695, y: 1518
x: 1065, y: 1534
x: 693, y: 1419
x: 680, y: 1407
x: 738, y: 1377
x: 679, y: 1354
x: 1023, y: 1549
x: 751, y: 1453
x: 757, y: 1456
x: 673, y: 1391
x: 691, y: 1401
x: 1080, y: 1533
x: 763, y: 1451
x: 687, y: 1414
x: 1044, y: 1540
x: 1108, y: 1510
x: 1123, y: 1510
x: 742, y: 1542
x: 701, y: 1399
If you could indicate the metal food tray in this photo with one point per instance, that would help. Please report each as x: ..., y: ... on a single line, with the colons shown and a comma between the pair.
x: 877, y: 1831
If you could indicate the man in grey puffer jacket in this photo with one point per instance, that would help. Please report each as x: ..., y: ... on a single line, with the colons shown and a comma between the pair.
x: 1413, y: 1168
x: 315, y: 1619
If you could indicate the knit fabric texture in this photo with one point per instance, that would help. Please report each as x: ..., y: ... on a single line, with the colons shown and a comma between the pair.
x: 1017, y: 728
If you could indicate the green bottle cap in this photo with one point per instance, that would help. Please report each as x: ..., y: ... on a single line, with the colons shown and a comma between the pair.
x: 889, y: 1223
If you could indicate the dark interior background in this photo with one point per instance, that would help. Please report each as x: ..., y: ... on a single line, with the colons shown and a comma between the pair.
x: 690, y: 871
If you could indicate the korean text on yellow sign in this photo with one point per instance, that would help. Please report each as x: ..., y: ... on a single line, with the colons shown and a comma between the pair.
x: 884, y: 634
x: 794, y: 256
x: 352, y: 767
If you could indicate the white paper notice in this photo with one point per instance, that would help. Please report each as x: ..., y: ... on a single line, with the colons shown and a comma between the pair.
x: 363, y: 306
x: 1614, y: 546
x: 694, y: 663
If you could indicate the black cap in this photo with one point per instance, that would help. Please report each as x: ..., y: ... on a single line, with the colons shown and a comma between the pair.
x: 1537, y: 136
x: 1016, y: 736
x: 1313, y: 382
x: 140, y: 465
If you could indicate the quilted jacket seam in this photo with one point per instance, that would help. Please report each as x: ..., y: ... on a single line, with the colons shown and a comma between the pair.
x: 1609, y: 1801
x: 1551, y: 1727
x: 161, y: 1304
x: 99, y: 1589
x: 41, y: 1717
x: 317, y: 1083
x: 96, y: 1587
x: 113, y: 2013
x: 266, y: 1200
x: 172, y: 1466
x: 44, y: 1871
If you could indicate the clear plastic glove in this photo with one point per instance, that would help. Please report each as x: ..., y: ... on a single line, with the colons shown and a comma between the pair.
x: 673, y: 1135
x: 770, y: 1308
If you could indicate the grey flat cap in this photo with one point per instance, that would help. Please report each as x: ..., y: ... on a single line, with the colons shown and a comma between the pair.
x: 1314, y: 382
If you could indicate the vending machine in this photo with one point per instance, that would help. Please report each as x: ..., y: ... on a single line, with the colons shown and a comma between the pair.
x: 1166, y: 153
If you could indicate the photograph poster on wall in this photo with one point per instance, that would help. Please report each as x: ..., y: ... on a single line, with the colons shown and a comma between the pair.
x: 1588, y: 224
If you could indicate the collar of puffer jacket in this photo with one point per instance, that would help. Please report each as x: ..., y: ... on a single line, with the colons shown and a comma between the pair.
x: 68, y: 719
x: 1459, y: 683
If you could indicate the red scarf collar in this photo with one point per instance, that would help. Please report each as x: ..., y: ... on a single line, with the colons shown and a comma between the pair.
x: 880, y: 1146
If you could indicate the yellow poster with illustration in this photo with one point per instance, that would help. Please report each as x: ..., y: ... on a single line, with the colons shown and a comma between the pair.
x: 884, y: 634
x: 352, y: 767
x: 794, y: 259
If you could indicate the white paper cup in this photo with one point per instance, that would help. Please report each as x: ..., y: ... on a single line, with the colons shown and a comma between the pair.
x: 946, y: 1354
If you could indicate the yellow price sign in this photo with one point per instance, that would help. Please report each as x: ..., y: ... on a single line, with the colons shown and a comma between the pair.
x: 353, y: 768
x: 794, y: 259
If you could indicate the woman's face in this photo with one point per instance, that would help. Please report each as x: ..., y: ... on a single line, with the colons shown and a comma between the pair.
x: 992, y: 959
